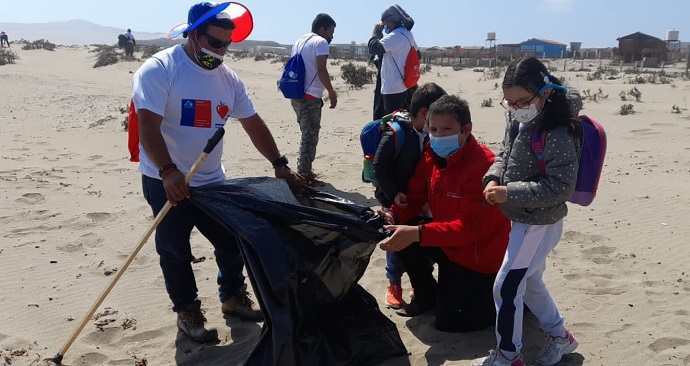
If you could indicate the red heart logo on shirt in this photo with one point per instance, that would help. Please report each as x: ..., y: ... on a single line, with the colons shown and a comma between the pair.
x: 222, y: 110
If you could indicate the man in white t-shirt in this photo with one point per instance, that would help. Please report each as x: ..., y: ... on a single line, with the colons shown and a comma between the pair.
x: 313, y: 47
x: 182, y: 95
x: 395, y: 45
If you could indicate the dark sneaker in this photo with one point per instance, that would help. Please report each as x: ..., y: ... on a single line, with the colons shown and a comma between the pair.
x: 191, y: 323
x: 242, y: 306
x: 414, y: 308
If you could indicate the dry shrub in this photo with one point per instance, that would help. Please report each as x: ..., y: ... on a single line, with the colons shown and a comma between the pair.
x: 7, y: 57
x: 356, y: 76
x: 41, y: 44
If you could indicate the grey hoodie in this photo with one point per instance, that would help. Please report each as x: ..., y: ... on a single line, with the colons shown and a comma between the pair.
x: 532, y: 198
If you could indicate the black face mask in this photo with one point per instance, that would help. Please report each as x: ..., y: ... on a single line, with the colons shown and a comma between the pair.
x: 207, y: 59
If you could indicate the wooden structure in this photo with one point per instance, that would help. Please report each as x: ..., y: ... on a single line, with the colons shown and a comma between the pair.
x: 651, y: 51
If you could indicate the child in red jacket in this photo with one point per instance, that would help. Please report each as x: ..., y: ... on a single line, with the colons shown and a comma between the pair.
x: 467, y: 238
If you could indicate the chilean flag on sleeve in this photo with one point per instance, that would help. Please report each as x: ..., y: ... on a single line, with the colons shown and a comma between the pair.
x: 196, y: 113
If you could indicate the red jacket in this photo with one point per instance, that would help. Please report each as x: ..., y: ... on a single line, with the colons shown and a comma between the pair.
x: 470, y: 232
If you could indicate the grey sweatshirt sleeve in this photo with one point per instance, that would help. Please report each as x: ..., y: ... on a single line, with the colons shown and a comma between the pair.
x: 561, y: 160
x: 495, y: 172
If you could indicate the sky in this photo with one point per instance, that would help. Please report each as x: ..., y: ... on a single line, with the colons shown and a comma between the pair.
x: 595, y: 23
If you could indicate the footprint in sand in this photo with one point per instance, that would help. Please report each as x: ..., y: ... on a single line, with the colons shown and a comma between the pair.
x: 89, y: 240
x: 663, y: 344
x: 31, y: 198
x: 98, y: 216
x: 93, y: 358
x: 600, y: 254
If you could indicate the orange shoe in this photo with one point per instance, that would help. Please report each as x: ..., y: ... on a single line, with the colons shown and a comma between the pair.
x: 394, y: 298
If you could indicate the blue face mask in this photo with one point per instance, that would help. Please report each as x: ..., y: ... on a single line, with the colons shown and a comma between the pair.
x: 445, y: 146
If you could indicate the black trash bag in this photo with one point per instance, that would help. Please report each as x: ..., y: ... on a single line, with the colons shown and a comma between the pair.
x: 304, y: 256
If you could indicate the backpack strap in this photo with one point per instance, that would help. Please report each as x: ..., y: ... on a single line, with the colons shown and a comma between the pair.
x: 398, y: 135
x: 538, y: 143
x: 393, y: 58
x: 300, y: 55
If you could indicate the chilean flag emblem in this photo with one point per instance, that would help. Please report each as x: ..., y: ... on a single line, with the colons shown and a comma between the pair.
x: 196, y: 113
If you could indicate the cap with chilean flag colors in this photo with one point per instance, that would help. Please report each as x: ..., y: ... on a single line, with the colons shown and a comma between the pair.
x: 201, y: 12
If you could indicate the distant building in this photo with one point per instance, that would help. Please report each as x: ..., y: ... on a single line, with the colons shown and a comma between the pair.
x: 271, y: 49
x: 508, y: 51
x: 543, y: 48
x: 642, y: 47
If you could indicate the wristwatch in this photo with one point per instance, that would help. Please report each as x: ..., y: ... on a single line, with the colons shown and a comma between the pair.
x: 166, y: 167
x: 281, y: 161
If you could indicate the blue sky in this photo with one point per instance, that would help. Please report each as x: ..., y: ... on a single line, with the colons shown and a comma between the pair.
x: 596, y: 23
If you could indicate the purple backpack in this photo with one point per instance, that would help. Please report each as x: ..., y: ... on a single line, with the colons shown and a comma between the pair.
x: 592, y: 139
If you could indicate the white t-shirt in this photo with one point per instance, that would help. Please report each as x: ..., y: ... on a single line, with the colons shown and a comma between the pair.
x: 397, y: 44
x: 311, y: 45
x: 194, y: 102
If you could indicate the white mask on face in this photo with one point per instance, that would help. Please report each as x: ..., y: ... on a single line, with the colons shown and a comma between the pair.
x: 525, y: 115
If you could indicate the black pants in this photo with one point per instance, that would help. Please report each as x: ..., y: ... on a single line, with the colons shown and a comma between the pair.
x: 393, y: 102
x: 463, y: 297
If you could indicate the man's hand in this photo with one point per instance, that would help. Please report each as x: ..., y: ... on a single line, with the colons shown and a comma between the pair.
x: 333, y: 98
x: 294, y: 180
x: 403, y: 236
x: 176, y: 189
x: 378, y: 27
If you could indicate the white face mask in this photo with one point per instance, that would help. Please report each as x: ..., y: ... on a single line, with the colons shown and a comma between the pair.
x: 525, y: 115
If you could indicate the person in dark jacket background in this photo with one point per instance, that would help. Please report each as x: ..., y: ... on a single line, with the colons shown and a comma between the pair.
x: 392, y: 171
x: 467, y: 238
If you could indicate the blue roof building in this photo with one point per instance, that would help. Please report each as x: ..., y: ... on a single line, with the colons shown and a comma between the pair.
x: 543, y: 48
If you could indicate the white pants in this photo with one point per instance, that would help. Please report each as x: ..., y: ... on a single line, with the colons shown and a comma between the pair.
x: 519, y: 281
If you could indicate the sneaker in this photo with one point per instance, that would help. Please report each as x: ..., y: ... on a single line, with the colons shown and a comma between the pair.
x: 496, y: 358
x: 556, y: 348
x: 242, y: 306
x: 394, y: 298
x: 191, y: 323
x: 414, y: 308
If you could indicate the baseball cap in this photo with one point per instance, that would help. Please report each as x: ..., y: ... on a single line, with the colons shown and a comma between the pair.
x: 204, y: 11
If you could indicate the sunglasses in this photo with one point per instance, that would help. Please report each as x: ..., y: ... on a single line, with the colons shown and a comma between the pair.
x: 215, y: 42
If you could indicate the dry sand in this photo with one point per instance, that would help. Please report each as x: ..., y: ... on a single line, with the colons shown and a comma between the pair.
x: 72, y: 211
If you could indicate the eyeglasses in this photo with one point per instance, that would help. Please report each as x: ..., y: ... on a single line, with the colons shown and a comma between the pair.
x: 520, y: 104
x: 215, y: 42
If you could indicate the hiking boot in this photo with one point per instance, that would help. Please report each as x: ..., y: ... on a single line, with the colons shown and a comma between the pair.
x: 414, y: 308
x: 496, y: 358
x: 556, y: 348
x: 242, y: 306
x: 394, y: 296
x: 191, y: 323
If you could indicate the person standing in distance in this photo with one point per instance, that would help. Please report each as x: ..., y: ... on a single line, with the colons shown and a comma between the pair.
x: 393, y: 39
x: 313, y: 47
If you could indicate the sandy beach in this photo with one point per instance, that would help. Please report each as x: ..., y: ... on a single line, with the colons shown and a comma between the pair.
x: 72, y: 211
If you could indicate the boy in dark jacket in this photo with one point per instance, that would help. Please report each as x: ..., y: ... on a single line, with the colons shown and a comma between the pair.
x: 392, y: 171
